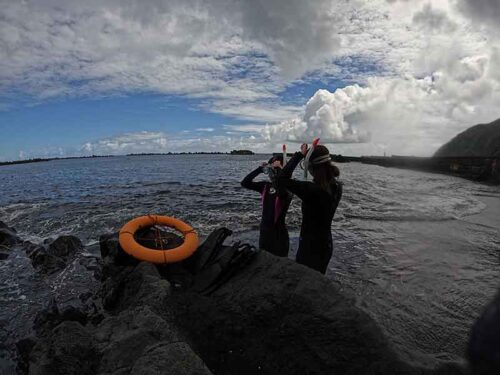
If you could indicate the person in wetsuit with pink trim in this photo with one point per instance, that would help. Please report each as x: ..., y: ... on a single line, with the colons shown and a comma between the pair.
x: 275, y: 202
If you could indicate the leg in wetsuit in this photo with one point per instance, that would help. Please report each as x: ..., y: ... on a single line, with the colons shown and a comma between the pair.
x: 275, y: 240
x: 314, y: 254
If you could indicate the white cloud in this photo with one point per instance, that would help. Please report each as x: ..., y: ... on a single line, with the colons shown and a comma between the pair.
x: 403, y: 115
x: 143, y: 141
x: 207, y: 130
x: 425, y: 69
x: 225, y: 52
x: 444, y: 78
x: 159, y: 142
x: 325, y: 116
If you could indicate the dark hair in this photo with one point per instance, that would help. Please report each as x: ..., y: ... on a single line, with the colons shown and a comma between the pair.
x: 274, y: 158
x: 323, y: 173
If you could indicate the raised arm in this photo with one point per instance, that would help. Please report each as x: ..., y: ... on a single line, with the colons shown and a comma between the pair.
x: 249, y: 183
x: 287, y: 171
x: 303, y: 189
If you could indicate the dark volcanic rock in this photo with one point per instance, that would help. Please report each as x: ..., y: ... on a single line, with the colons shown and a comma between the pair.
x: 8, y: 238
x: 68, y: 349
x: 175, y: 358
x: 51, y: 316
x: 64, y: 246
x: 278, y: 317
x: 46, y: 263
x: 92, y: 264
x: 30, y: 247
x: 55, y: 255
x: 273, y: 317
x: 123, y: 339
x: 112, y: 254
x: 131, y: 337
x: 24, y: 348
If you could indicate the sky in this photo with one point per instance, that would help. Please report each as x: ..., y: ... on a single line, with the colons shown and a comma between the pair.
x: 368, y: 77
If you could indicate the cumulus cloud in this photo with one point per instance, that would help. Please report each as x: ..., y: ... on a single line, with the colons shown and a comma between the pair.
x: 446, y: 79
x: 402, y: 115
x: 325, y: 116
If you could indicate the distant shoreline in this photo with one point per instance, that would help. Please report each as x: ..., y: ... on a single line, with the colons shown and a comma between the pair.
x: 482, y: 169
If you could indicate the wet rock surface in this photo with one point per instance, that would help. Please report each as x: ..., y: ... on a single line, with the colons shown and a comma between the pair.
x: 55, y: 255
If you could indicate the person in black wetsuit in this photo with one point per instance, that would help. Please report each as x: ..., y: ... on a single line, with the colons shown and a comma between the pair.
x: 320, y: 199
x: 275, y: 202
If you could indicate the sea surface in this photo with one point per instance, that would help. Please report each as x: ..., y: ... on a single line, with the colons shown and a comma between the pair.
x: 416, y: 250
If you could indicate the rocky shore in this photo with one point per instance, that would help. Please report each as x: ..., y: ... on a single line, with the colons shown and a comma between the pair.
x: 272, y: 316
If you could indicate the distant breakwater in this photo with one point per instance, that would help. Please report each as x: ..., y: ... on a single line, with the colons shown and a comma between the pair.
x: 474, y: 168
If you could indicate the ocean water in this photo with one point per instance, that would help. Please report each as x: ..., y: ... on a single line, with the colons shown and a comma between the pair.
x: 407, y: 246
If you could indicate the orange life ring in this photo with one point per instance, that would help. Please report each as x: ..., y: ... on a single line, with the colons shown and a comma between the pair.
x: 131, y: 247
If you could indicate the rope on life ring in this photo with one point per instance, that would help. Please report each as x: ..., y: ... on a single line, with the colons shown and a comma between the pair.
x: 133, y: 248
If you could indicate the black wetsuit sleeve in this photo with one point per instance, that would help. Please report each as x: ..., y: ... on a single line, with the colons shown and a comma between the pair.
x: 290, y: 166
x: 303, y: 189
x: 248, y: 181
x: 286, y: 173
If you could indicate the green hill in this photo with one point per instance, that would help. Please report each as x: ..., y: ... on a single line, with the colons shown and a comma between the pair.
x: 480, y: 140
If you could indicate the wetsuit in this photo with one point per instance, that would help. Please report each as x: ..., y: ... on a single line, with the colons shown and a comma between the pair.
x: 273, y: 231
x: 318, y: 208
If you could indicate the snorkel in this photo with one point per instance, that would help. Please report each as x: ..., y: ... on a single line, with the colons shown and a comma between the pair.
x: 284, y: 155
x: 308, y: 156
